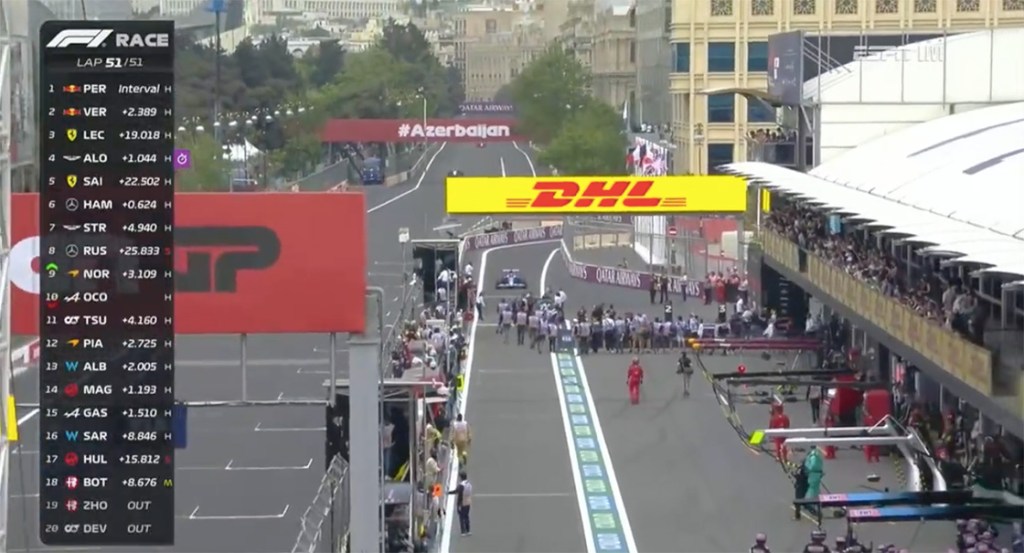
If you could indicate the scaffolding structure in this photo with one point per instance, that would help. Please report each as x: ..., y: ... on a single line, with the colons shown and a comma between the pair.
x: 9, y: 419
x: 17, y: 162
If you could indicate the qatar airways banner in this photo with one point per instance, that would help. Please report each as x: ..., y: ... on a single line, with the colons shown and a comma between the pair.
x: 420, y: 130
x: 486, y: 107
x: 626, y: 278
x: 511, y: 237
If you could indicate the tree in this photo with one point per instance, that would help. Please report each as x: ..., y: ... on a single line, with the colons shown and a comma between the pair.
x: 258, y: 78
x: 455, y: 93
x: 406, y: 43
x: 505, y: 95
x: 424, y: 75
x: 548, y: 91
x: 210, y: 172
x: 327, y: 60
x: 300, y: 149
x: 591, y: 143
x: 371, y: 86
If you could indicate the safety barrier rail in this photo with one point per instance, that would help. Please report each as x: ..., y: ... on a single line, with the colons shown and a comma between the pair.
x: 330, y: 503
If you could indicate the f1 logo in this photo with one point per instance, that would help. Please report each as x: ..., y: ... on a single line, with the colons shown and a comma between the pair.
x: 90, y: 38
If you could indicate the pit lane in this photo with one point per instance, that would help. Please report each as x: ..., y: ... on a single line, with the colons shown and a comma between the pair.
x: 688, y: 482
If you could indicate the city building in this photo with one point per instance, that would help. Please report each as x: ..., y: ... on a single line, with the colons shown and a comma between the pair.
x: 181, y: 7
x: 94, y: 9
x: 335, y: 9
x: 721, y: 45
x: 614, y: 57
x: 492, y: 44
x: 651, y: 20
x: 576, y: 32
x: 143, y: 6
x: 554, y: 13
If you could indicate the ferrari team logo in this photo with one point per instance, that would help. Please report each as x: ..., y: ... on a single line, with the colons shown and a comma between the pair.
x: 72, y: 135
x: 72, y: 180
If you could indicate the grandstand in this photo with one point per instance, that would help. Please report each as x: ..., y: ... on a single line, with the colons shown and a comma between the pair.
x: 909, y: 228
x: 947, y: 187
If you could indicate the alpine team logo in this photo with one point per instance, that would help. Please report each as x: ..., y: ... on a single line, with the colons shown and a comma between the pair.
x: 456, y: 130
x: 90, y: 38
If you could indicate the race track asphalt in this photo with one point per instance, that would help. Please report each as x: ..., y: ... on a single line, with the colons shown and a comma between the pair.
x: 688, y: 482
x: 249, y: 473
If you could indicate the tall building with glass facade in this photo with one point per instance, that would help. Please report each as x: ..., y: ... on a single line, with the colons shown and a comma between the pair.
x: 723, y: 44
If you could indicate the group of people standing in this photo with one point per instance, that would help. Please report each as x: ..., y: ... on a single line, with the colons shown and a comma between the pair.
x: 536, y: 320
x: 717, y: 287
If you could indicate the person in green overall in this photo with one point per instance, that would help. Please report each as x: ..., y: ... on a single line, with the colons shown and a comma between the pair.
x: 814, y: 466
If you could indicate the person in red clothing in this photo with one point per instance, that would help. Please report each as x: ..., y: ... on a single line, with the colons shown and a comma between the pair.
x: 830, y: 421
x: 779, y: 419
x: 871, y: 453
x: 634, y: 378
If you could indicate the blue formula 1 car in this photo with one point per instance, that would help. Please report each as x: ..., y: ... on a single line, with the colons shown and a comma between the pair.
x: 511, y: 279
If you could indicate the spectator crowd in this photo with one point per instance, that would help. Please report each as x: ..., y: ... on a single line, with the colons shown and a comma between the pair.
x: 773, y: 146
x: 937, y: 294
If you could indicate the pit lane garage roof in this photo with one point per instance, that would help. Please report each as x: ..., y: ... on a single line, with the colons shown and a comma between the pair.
x: 955, y: 183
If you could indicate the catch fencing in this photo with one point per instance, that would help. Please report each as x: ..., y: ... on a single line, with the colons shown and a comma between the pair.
x: 674, y: 246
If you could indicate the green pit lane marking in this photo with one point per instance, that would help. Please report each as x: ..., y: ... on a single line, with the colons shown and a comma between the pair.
x: 608, y: 528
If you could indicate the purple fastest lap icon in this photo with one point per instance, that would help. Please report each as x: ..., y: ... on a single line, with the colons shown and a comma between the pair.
x: 182, y: 158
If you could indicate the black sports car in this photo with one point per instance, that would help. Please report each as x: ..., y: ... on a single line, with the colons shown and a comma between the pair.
x: 456, y: 173
x: 511, y: 280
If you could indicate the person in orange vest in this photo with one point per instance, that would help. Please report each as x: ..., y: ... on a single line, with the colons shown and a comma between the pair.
x: 830, y: 421
x: 779, y: 419
x: 871, y: 453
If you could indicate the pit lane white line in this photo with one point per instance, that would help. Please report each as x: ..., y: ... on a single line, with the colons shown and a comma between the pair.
x: 423, y: 175
x: 301, y: 370
x: 514, y: 495
x: 251, y: 363
x: 230, y: 467
x: 28, y: 416
x: 261, y: 428
x: 196, y: 516
x: 50, y: 549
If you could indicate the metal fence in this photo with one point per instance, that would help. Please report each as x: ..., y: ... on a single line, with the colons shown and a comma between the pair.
x: 638, y: 244
x: 324, y: 178
x: 324, y: 524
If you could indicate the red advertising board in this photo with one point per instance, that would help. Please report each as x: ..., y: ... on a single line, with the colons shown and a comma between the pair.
x: 244, y: 263
x: 418, y: 130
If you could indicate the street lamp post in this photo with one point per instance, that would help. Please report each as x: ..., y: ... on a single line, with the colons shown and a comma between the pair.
x: 698, y: 141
